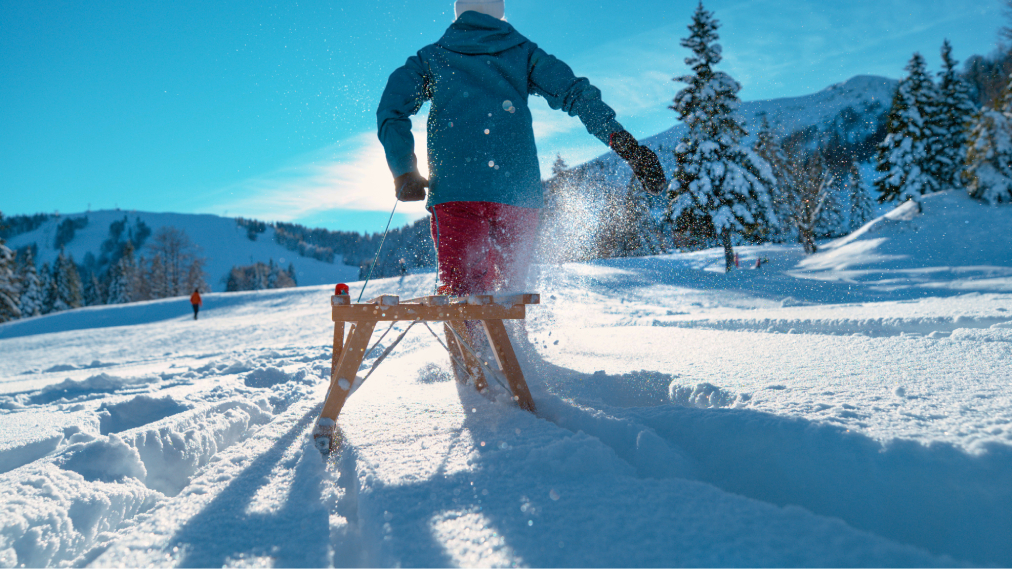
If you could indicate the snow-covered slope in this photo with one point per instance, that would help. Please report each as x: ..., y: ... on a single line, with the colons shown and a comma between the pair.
x: 223, y: 242
x: 792, y: 415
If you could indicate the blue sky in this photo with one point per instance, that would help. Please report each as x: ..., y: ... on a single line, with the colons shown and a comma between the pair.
x: 267, y: 110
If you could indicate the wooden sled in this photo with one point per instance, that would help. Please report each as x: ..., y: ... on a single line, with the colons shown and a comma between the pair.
x: 488, y: 309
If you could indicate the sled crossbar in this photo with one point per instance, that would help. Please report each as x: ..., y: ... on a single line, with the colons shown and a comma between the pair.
x: 488, y: 309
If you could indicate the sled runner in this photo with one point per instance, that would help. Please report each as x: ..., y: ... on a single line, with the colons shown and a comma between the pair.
x: 488, y: 309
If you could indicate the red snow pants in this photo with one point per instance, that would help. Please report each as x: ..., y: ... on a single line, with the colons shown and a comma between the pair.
x: 482, y: 246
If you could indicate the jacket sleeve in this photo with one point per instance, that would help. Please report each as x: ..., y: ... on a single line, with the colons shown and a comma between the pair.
x: 407, y: 90
x: 555, y: 81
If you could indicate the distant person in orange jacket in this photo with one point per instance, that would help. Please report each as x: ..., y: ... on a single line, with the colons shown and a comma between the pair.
x: 196, y: 302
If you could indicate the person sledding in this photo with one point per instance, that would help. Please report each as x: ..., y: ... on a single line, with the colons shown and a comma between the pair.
x: 485, y: 191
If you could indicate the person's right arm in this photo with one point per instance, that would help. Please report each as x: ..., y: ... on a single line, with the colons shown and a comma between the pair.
x: 407, y: 90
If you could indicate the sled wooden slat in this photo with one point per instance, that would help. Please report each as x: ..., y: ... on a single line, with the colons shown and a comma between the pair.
x: 404, y: 311
x: 489, y: 309
x: 386, y: 300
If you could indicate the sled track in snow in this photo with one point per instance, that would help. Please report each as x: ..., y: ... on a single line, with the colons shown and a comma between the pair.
x: 901, y: 490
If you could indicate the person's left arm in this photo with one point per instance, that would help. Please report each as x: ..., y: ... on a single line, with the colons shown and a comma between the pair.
x: 556, y: 82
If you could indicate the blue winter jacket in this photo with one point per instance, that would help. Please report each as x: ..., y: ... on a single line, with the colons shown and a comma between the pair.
x: 478, y: 77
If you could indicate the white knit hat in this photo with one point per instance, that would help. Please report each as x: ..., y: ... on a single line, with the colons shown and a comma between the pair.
x: 494, y: 8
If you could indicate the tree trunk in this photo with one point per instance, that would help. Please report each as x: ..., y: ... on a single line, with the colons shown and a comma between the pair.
x: 725, y: 238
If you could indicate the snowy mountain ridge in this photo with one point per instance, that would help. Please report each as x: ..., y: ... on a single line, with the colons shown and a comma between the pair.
x: 853, y: 109
x: 223, y: 242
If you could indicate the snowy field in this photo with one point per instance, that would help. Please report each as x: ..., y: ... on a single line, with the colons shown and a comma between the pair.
x: 850, y: 408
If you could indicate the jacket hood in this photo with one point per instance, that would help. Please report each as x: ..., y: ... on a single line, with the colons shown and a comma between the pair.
x: 474, y: 33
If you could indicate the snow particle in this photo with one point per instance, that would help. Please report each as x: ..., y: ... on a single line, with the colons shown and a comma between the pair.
x: 530, y: 522
x: 553, y: 494
x: 343, y: 384
x: 491, y: 163
x: 487, y: 131
x: 900, y: 392
x: 507, y: 105
x: 466, y: 94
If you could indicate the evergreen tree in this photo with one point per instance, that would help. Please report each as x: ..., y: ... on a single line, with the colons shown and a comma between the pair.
x: 66, y: 287
x: 719, y: 187
x: 988, y: 174
x: 46, y: 286
x: 291, y: 274
x: 93, y: 290
x: 123, y: 278
x: 906, y: 155
x: 10, y: 289
x: 272, y: 274
x: 862, y: 206
x: 32, y: 291
x: 955, y: 111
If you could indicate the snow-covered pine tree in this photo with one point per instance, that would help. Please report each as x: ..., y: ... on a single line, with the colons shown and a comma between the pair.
x: 32, y: 293
x: 862, y: 205
x: 123, y: 277
x: 93, y: 290
x: 769, y: 149
x: 272, y: 274
x: 10, y: 289
x: 906, y: 155
x: 291, y: 274
x: 955, y: 112
x: 988, y: 174
x: 46, y: 286
x: 719, y: 187
x: 66, y: 284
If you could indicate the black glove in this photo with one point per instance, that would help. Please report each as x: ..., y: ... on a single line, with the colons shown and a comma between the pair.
x: 410, y: 187
x: 642, y: 160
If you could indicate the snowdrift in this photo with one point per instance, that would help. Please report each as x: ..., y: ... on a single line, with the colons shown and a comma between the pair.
x: 850, y: 408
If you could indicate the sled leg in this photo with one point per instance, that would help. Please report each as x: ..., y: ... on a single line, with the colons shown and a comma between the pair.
x: 335, y: 357
x: 465, y: 355
x: 342, y: 379
x: 507, y: 359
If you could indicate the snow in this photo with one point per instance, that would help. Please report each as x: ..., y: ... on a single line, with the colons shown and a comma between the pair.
x: 849, y: 408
